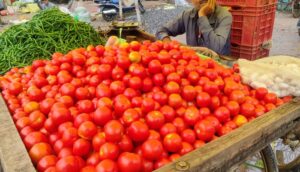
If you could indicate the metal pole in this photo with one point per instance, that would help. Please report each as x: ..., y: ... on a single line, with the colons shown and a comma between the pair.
x: 137, y: 9
x: 121, y: 9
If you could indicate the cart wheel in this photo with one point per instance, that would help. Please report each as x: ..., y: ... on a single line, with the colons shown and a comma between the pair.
x: 108, y: 17
x: 269, y: 159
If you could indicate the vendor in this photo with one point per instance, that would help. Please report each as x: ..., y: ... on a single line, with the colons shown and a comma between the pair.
x: 206, y: 25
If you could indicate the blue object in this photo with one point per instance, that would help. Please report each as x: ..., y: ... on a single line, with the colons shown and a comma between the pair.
x: 115, y: 1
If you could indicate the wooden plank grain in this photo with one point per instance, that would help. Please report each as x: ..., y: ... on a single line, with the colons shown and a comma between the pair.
x: 13, y: 154
x: 235, y: 147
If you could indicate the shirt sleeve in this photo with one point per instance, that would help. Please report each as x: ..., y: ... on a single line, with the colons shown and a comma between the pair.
x: 215, y: 39
x: 173, y: 28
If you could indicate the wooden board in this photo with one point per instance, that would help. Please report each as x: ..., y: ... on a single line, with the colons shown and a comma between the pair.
x: 13, y: 154
x: 234, y: 148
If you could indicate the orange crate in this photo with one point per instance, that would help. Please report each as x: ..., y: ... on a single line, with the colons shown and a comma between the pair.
x: 246, y: 3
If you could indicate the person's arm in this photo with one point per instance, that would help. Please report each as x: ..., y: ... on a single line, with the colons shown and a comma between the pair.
x: 173, y: 28
x: 215, y: 39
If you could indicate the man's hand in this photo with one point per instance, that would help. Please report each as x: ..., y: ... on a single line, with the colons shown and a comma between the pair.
x: 205, y: 10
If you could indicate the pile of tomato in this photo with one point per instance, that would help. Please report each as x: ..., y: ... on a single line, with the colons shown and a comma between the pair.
x: 129, y: 108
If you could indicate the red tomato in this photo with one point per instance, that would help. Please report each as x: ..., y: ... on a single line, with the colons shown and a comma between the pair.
x: 87, y: 130
x: 174, y: 77
x: 60, y: 115
x: 148, y: 166
x: 15, y: 88
x: 179, y: 124
x: 147, y: 85
x: 34, y: 138
x: 233, y: 107
x: 168, y: 112
x: 231, y: 124
x: 130, y: 162
x: 248, y: 110
x: 204, y: 112
x: 203, y: 99
x: 270, y: 98
x: 223, y: 114
x: 81, y: 147
x: 188, y: 135
x: 69, y: 164
x: 211, y: 88
x: 64, y: 152
x: 167, y: 69
x: 98, y: 141
x: 158, y: 79
x: 161, y: 162
x: 172, y: 88
x: 138, y: 131
x: 113, y: 131
x: 186, y: 148
x: 211, y: 74
x: 82, y: 93
x: 175, y: 100
x: 135, y: 83
x: 46, y: 162
x: 69, y: 136
x: 154, y: 135
x: 125, y: 144
x: 191, y: 116
x: 148, y: 105
x: 93, y: 159
x: 37, y: 119
x: 260, y: 93
x: 152, y: 149
x: 88, y: 169
x: 174, y: 157
x: 121, y: 103
x: 102, y: 115
x: 26, y: 131
x: 81, y: 118
x: 129, y: 116
x: 204, y: 130
x: 237, y: 96
x: 39, y: 150
x: 109, y: 151
x: 198, y: 144
x: 85, y: 106
x: 167, y: 128
x: 107, y: 165
x: 172, y: 142
x: 189, y: 93
x: 270, y: 107
x: 155, y: 120
x: 224, y: 130
x: 215, y: 102
x: 160, y: 97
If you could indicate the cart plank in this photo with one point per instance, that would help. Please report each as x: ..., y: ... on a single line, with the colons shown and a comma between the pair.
x: 235, y: 147
x: 13, y: 154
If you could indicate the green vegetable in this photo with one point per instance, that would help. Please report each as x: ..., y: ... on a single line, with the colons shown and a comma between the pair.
x: 49, y: 31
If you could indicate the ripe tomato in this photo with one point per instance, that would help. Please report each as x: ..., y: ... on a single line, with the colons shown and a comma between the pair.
x: 167, y: 128
x: 82, y: 93
x: 37, y: 119
x: 215, y: 102
x: 64, y: 152
x: 138, y: 131
x: 67, y: 89
x: 189, y: 93
x: 175, y: 100
x: 130, y: 162
x: 113, y: 131
x: 191, y: 115
x: 98, y: 141
x: 87, y: 130
x: 152, y: 149
x: 93, y: 159
x: 211, y: 88
x: 89, y: 168
x: 109, y: 151
x: 237, y: 96
x: 224, y: 130
x: 188, y: 135
x: 125, y: 144
x: 69, y: 136
x: 223, y: 114
x: 174, y: 77
x: 148, y: 166
x: 158, y: 79
x: 172, y: 88
x: 46, y: 162
x: 121, y: 103
x: 270, y: 98
x: 81, y: 118
x: 26, y: 131
x: 60, y: 115
x: 129, y: 116
x: 81, y: 147
x: 186, y: 148
x: 172, y: 142
x: 260, y: 93
x: 155, y: 120
x: 168, y: 112
x: 148, y: 105
x: 270, y: 107
x: 198, y: 144
x: 161, y: 162
x: 231, y: 124
x: 204, y: 130
x: 203, y: 99
x: 39, y: 150
x: 240, y: 120
x: 107, y: 165
x: 248, y: 110
x: 69, y: 164
x: 233, y: 107
x: 34, y: 138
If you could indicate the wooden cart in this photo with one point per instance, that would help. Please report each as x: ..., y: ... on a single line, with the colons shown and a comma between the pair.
x: 218, y: 155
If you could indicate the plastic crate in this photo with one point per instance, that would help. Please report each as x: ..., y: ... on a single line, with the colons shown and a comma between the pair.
x: 246, y: 3
x: 249, y: 52
x: 252, y: 25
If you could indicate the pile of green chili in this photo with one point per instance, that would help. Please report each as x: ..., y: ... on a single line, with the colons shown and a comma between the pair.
x: 49, y: 31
